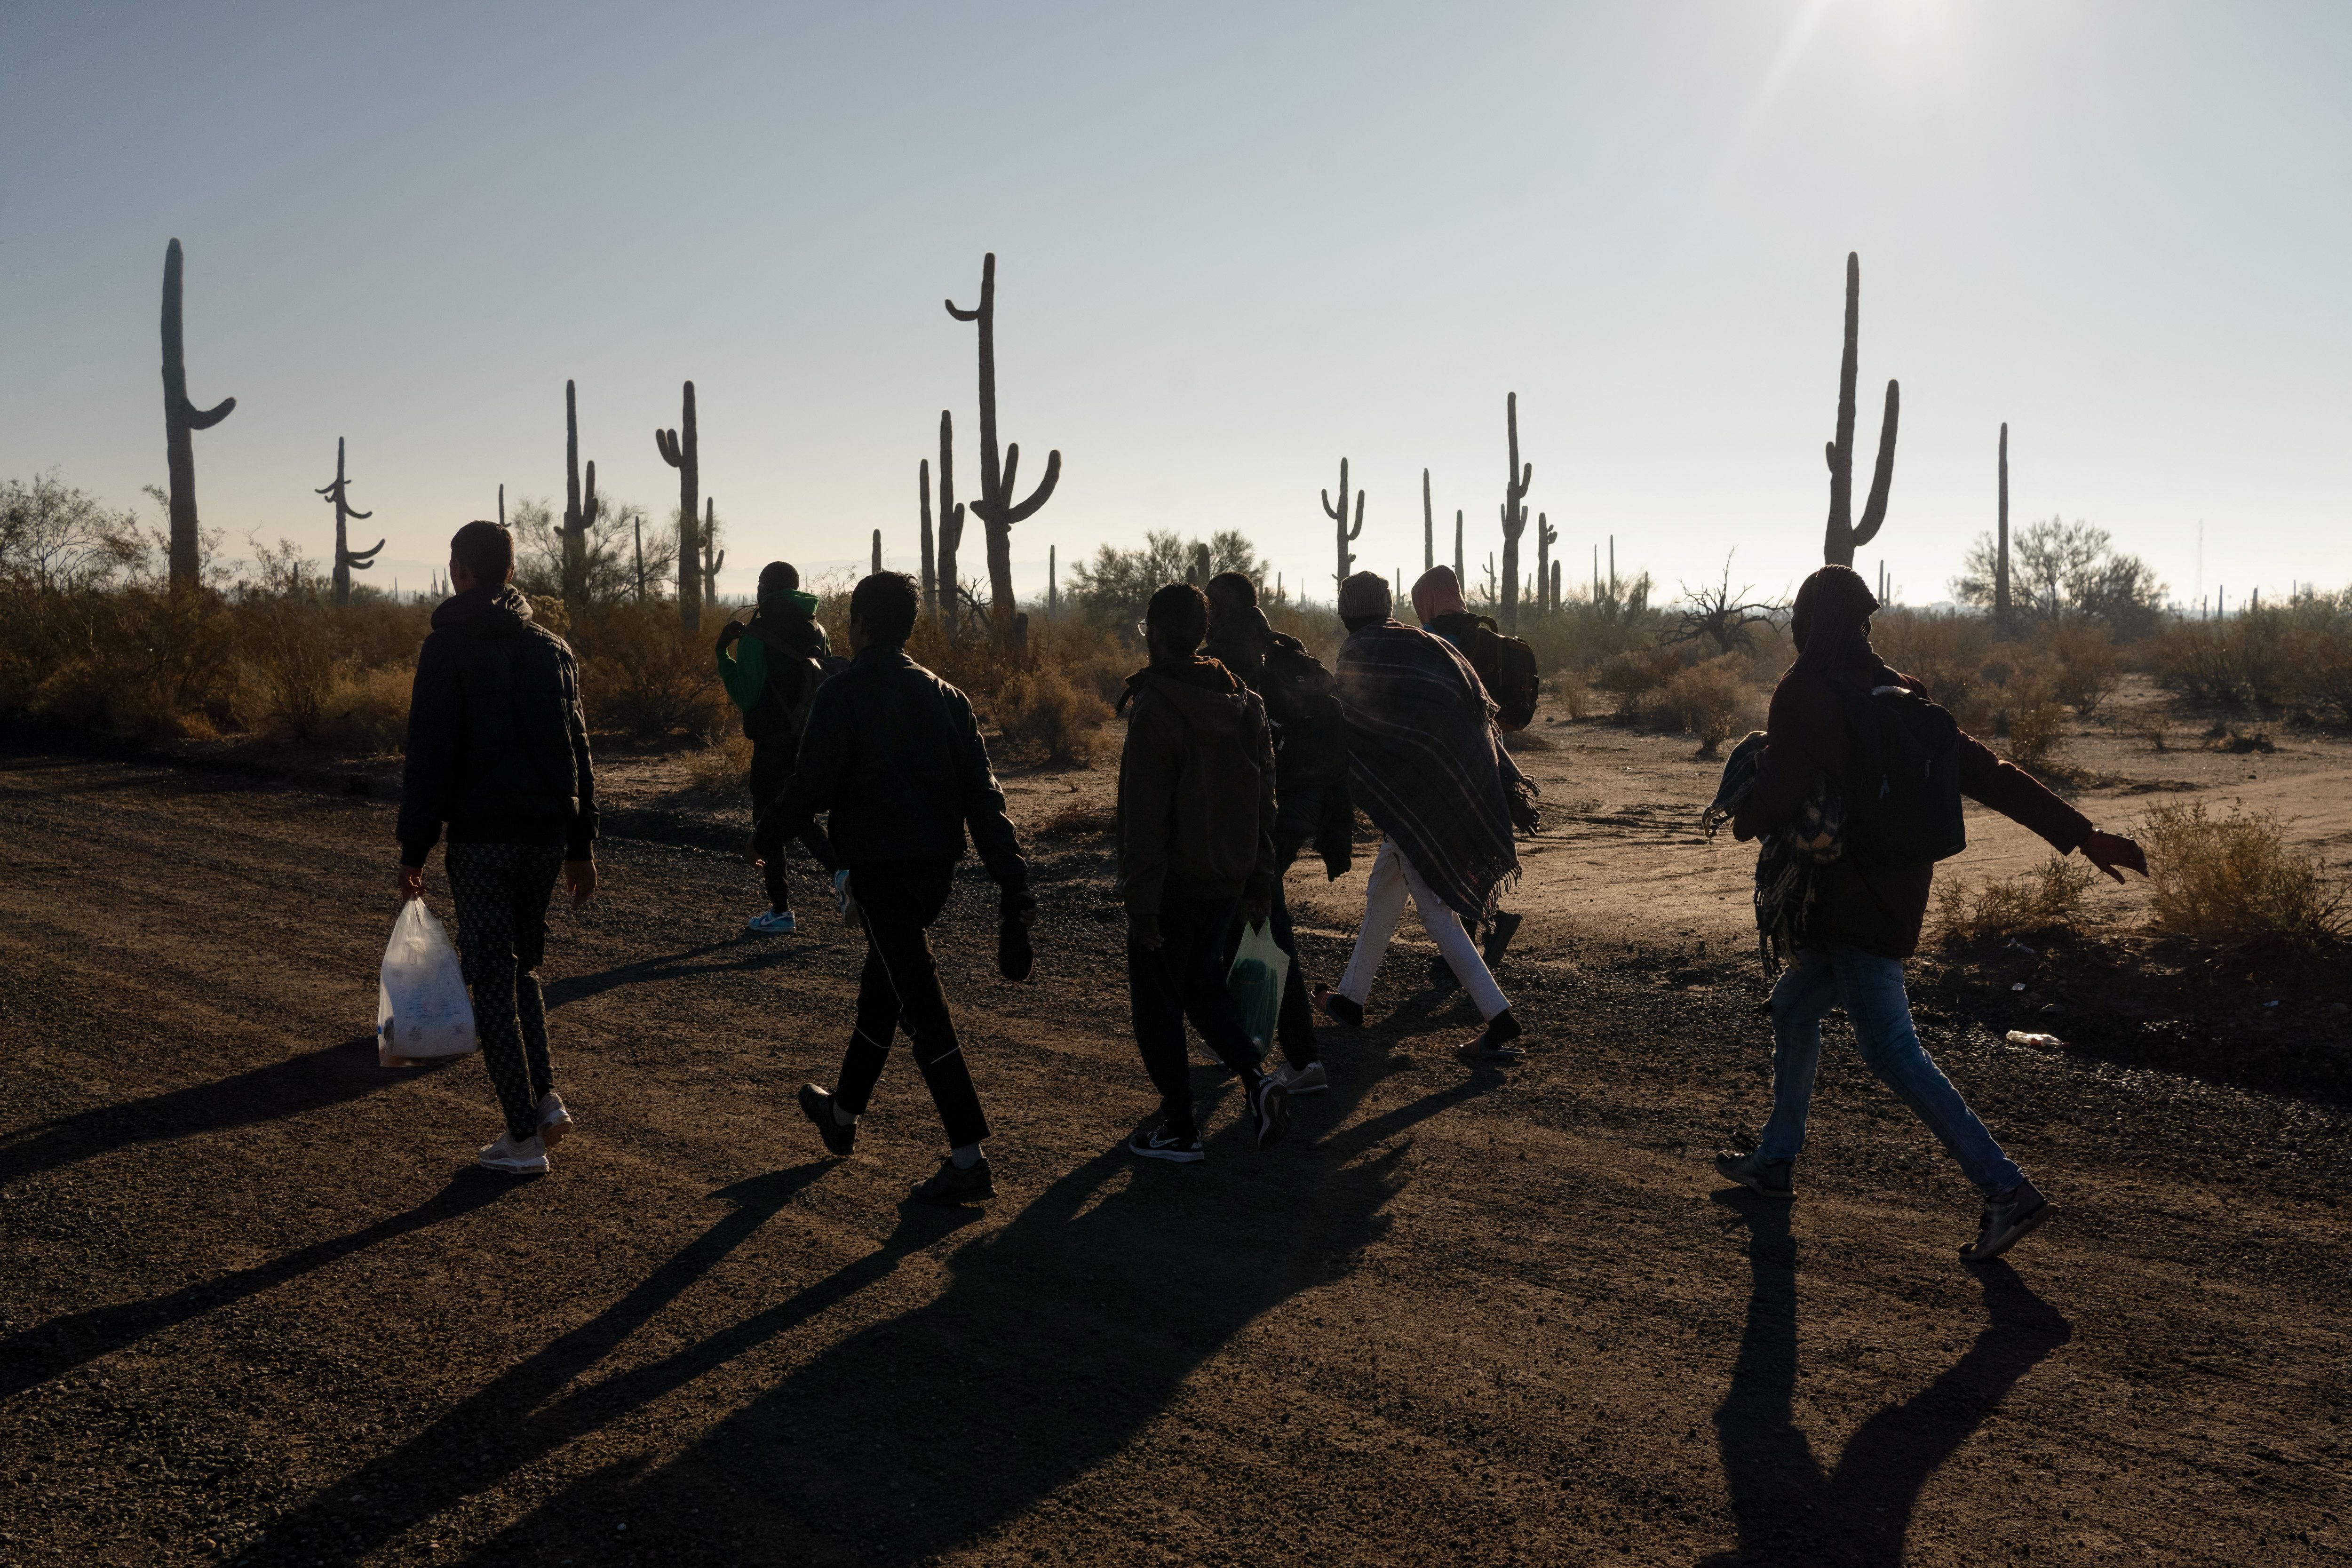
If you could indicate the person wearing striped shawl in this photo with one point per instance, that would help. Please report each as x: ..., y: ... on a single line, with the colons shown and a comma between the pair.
x: 1427, y: 765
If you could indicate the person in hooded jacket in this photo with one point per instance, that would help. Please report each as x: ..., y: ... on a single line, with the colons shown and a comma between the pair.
x: 497, y: 756
x: 1863, y: 920
x: 1196, y: 819
x: 769, y: 665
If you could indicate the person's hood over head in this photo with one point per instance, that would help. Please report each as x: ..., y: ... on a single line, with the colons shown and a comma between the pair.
x: 1437, y: 593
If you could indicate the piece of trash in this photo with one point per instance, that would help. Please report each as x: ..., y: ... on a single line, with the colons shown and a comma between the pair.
x: 2019, y: 945
x: 2038, y: 1042
x: 2270, y: 1004
x: 2019, y: 986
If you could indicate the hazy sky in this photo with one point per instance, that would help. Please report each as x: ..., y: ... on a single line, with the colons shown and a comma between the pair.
x: 1234, y: 243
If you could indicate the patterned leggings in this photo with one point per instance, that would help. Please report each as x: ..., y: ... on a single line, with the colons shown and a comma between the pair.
x: 501, y: 891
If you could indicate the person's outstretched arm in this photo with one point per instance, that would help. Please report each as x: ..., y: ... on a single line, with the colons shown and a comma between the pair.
x: 2016, y: 795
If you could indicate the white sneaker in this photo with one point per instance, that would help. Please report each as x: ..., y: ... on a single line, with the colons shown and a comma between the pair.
x: 851, y: 915
x: 771, y: 922
x: 528, y: 1158
x: 555, y: 1123
x: 1308, y: 1079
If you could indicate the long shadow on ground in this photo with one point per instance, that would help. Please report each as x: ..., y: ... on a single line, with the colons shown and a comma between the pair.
x: 1789, y: 1510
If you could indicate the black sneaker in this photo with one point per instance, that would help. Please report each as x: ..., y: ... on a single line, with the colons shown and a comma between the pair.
x: 1339, y: 1008
x: 1270, y: 1107
x: 1498, y: 1042
x: 949, y: 1186
x: 816, y: 1104
x: 1152, y: 1141
x: 2008, y: 1219
x: 1769, y: 1177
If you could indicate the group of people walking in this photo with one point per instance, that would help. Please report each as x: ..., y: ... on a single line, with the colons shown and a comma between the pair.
x: 1242, y: 753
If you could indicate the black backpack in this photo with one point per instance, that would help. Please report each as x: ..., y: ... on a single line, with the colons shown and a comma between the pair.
x: 1906, y: 809
x: 1506, y: 667
x: 1302, y: 700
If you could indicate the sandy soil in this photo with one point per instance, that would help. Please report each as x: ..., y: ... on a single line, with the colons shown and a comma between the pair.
x: 258, y: 1305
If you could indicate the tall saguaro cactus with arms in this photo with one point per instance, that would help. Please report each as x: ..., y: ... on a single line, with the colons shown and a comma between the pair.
x: 347, y: 560
x: 579, y: 508
x: 996, y: 509
x: 681, y: 450
x: 1545, y: 537
x: 182, y: 418
x: 1844, y: 536
x: 713, y: 558
x: 1337, y: 512
x: 1516, y: 481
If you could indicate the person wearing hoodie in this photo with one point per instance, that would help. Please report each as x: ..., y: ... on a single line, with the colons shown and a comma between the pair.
x: 893, y: 755
x: 1438, y: 604
x: 1425, y: 763
x: 1196, y: 818
x: 498, y: 755
x: 770, y: 667
x: 1310, y: 791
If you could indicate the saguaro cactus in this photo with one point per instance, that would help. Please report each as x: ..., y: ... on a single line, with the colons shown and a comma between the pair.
x: 681, y: 450
x: 1844, y: 536
x: 950, y: 530
x: 877, y: 568
x: 713, y: 558
x: 2001, y: 549
x: 1428, y: 527
x: 996, y: 509
x: 923, y: 497
x: 181, y: 418
x: 1053, y: 582
x: 579, y: 508
x: 1337, y: 513
x: 1460, y: 581
x: 1545, y: 537
x: 347, y: 560
x: 1516, y: 481
x: 637, y: 527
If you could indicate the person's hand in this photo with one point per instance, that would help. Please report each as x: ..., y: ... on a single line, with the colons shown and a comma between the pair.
x: 728, y: 633
x: 1144, y: 932
x: 1017, y: 905
x: 1257, y: 912
x: 412, y: 881
x: 1016, y: 959
x: 580, y: 876
x: 2109, y: 851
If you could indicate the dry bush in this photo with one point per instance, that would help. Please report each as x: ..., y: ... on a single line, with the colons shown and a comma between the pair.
x: 2155, y: 731
x: 2087, y: 667
x: 645, y: 675
x: 1946, y: 652
x: 1081, y: 819
x: 2050, y: 897
x: 1633, y: 674
x: 1045, y: 713
x: 2233, y: 880
x: 367, y: 712
x: 721, y: 767
x: 1709, y: 702
x: 2037, y: 733
x: 1573, y: 695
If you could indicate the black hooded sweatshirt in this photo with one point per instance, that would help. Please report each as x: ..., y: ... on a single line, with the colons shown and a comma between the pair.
x: 498, y: 747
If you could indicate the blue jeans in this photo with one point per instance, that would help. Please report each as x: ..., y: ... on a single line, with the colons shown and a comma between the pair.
x: 1870, y: 988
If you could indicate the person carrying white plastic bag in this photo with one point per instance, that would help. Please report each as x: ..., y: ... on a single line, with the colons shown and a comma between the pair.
x: 422, y: 1011
x: 497, y: 754
x: 1259, y: 970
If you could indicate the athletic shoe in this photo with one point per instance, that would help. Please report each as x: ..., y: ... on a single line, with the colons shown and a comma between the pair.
x: 847, y: 902
x: 949, y: 1186
x: 1154, y: 1142
x: 555, y: 1123
x: 1498, y: 1042
x: 1769, y: 1177
x: 771, y: 922
x: 1270, y: 1106
x: 816, y: 1104
x: 528, y: 1158
x: 1308, y: 1079
x: 2007, y: 1220
x: 1339, y: 1008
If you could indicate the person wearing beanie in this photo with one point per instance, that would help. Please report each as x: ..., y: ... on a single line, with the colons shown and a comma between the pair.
x: 1426, y: 764
x: 772, y: 666
x: 1438, y: 604
x: 1849, y: 940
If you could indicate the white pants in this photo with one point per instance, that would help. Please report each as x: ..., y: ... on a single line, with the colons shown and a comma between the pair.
x: 1392, y: 877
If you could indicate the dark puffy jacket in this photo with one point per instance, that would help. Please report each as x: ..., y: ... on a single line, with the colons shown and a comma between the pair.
x: 1196, y: 809
x: 498, y: 748
x: 894, y: 754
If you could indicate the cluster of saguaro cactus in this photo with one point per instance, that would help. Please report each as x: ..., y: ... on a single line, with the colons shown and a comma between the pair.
x: 182, y: 418
x: 996, y: 509
x: 579, y: 507
x: 949, y: 608
x: 347, y: 560
x: 713, y: 558
x: 1516, y: 478
x: 1844, y: 535
x: 682, y: 450
x: 2001, y: 547
x: 1337, y: 512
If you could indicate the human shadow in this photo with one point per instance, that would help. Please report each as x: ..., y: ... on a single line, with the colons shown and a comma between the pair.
x: 57, y: 1346
x: 1789, y: 1510
x: 748, y: 953
x: 329, y: 1076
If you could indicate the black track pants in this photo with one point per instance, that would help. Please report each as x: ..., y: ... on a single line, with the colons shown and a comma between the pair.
x: 901, y: 989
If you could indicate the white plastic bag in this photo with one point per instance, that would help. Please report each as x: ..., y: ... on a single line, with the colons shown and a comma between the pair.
x: 422, y: 1011
x: 1257, y: 978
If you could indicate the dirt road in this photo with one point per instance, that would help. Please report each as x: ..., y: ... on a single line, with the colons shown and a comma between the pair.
x: 258, y: 1306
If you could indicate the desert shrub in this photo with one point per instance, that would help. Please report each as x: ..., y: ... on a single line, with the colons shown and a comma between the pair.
x: 1633, y: 673
x: 366, y: 713
x: 1707, y: 701
x: 2037, y: 732
x: 2230, y: 881
x: 2156, y: 732
x: 2248, y: 662
x: 643, y: 674
x: 2050, y: 897
x: 1946, y: 651
x: 1573, y: 695
x: 2086, y: 668
x: 720, y: 767
x: 1044, y: 711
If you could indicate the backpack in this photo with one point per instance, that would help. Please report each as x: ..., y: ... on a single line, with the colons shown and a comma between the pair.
x: 792, y: 680
x: 1302, y: 702
x: 1506, y: 667
x: 1906, y: 808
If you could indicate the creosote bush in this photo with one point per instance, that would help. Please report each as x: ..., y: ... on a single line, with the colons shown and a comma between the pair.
x: 2050, y: 897
x: 1044, y: 712
x: 721, y: 767
x: 2233, y: 881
